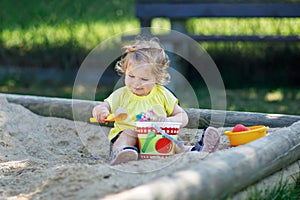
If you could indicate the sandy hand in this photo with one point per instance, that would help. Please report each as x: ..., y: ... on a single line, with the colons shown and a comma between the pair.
x: 119, y: 115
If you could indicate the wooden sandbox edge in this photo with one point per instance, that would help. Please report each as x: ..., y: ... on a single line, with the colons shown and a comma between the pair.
x: 225, y: 173
x: 80, y: 110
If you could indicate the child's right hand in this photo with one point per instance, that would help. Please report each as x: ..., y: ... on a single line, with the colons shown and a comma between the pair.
x: 100, y: 112
x: 161, y: 119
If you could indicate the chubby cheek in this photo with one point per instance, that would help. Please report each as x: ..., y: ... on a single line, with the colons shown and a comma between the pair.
x: 148, y: 87
x: 127, y: 82
x: 130, y: 83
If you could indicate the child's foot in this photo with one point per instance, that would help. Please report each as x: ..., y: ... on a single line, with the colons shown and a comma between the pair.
x: 209, y: 142
x: 124, y: 155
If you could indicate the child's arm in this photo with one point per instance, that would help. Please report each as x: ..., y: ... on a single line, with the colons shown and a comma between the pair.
x: 178, y: 115
x: 101, y: 111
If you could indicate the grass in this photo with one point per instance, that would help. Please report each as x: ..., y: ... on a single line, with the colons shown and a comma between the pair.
x: 284, y: 190
x: 252, y: 26
x: 280, y: 100
x: 84, y: 24
x: 60, y: 33
x: 88, y: 34
x: 287, y: 188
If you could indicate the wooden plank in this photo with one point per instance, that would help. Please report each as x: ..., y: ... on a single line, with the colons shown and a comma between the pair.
x: 198, y: 118
x: 245, y: 10
x: 53, y: 107
x: 204, y: 117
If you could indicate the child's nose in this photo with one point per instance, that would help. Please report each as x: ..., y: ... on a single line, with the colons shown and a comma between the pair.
x: 137, y: 83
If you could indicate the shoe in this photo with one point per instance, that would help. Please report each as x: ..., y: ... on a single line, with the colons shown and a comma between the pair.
x: 209, y: 142
x: 124, y: 155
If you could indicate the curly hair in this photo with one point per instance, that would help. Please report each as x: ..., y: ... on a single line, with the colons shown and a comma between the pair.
x: 148, y: 53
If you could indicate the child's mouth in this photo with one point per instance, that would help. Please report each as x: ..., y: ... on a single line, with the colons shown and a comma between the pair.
x: 138, y: 89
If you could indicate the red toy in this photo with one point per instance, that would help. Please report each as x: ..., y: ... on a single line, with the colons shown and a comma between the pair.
x: 240, y: 128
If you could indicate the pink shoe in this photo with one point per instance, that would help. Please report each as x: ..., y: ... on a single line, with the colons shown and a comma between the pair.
x: 211, y: 140
x: 124, y: 155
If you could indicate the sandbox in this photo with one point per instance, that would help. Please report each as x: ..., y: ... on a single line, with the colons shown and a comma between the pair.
x: 46, y: 157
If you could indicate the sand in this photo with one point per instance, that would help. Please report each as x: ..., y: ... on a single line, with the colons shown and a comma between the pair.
x: 54, y: 158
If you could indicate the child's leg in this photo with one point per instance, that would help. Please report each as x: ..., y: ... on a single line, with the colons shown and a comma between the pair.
x: 126, y: 138
x: 209, y: 142
x: 123, y: 149
x: 183, y: 149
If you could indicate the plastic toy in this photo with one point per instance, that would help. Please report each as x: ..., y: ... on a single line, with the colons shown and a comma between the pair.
x: 244, y: 137
x: 240, y: 128
x: 157, y: 138
x: 177, y: 142
x: 119, y: 115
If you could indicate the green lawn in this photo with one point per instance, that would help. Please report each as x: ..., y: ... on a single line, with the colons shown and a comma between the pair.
x: 31, y: 24
x: 60, y: 33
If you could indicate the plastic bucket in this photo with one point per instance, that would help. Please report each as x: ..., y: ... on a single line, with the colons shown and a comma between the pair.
x: 152, y: 143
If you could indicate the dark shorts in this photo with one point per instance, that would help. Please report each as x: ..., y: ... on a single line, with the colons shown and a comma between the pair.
x: 112, y: 141
x: 115, y: 138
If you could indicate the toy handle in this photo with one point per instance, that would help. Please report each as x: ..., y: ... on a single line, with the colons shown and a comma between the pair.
x: 93, y: 120
x: 108, y: 119
x: 177, y: 142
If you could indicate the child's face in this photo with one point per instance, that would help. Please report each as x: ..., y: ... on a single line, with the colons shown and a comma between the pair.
x: 140, y: 79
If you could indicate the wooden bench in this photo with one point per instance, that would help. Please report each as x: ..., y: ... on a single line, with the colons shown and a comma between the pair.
x: 179, y: 11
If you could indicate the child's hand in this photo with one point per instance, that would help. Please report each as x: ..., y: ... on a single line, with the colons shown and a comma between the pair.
x: 100, y: 112
x: 161, y: 119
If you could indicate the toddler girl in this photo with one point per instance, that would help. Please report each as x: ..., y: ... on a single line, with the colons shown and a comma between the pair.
x: 144, y: 65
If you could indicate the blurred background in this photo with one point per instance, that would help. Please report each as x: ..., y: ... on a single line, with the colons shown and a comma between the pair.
x: 43, y: 43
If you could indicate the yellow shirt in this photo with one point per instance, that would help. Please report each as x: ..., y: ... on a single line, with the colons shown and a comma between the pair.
x: 135, y: 105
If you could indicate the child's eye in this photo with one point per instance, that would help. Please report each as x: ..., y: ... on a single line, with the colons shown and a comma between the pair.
x: 131, y: 76
x: 145, y: 79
